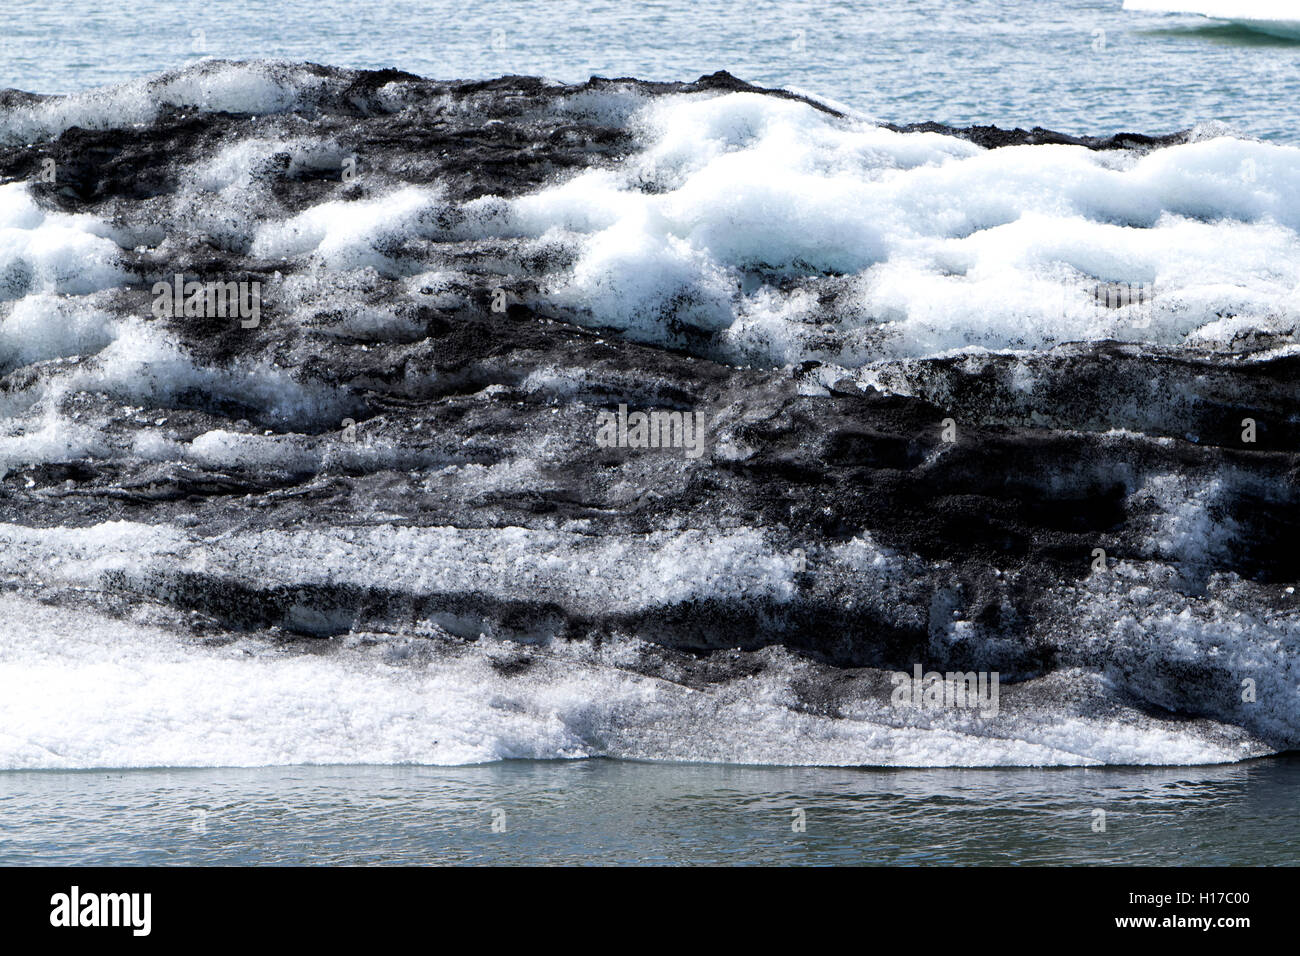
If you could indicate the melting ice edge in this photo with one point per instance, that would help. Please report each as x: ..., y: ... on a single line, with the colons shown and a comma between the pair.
x: 375, y: 525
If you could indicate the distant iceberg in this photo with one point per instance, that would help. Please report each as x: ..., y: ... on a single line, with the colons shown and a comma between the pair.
x: 1274, y: 17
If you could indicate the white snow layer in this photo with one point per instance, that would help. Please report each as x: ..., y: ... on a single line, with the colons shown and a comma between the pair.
x: 81, y: 690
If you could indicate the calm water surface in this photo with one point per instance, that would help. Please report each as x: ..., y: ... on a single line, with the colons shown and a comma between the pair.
x: 1079, y: 65
x: 610, y: 812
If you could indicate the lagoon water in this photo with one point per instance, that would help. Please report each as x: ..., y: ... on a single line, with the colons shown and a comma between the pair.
x: 1082, y: 66
x: 612, y: 812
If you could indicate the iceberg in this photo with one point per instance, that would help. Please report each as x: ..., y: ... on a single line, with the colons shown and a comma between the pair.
x: 1274, y: 17
x: 1010, y: 404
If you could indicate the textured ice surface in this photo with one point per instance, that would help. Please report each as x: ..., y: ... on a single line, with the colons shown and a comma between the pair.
x: 376, y: 699
x: 377, y: 527
x: 741, y: 213
x: 383, y: 697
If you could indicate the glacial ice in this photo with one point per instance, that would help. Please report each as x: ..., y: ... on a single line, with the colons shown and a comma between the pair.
x: 1277, y: 17
x: 147, y: 573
